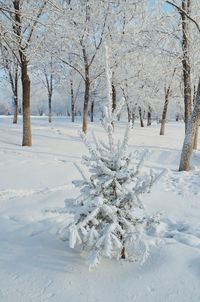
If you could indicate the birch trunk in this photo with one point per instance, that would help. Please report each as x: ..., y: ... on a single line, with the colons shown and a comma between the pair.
x: 188, y: 144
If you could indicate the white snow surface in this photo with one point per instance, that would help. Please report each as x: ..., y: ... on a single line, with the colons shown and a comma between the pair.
x: 36, y: 266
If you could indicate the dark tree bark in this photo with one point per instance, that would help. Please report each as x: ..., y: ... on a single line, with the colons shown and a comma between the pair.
x: 92, y: 111
x: 15, y: 93
x: 27, y: 137
x: 133, y: 118
x: 85, y: 107
x: 114, y: 100
x: 13, y: 78
x: 149, y: 116
x: 72, y: 100
x: 87, y: 91
x: 186, y: 4
x: 166, y: 103
x: 177, y: 117
x: 141, y: 116
x: 49, y: 86
x: 22, y: 48
x: 128, y: 112
x: 114, y: 97
x: 50, y: 107
x: 164, y: 113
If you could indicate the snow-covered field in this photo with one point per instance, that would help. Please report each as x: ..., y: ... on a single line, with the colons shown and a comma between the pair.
x: 36, y: 266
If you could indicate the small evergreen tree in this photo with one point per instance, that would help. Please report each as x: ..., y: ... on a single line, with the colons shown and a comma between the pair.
x: 108, y: 217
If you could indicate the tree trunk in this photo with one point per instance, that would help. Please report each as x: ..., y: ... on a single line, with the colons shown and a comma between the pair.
x: 129, y: 113
x: 197, y: 128
x: 164, y: 113
x: 188, y: 144
x: 133, y: 118
x: 72, y: 100
x: 50, y: 107
x: 27, y: 137
x: 141, y: 117
x: 15, y: 117
x: 186, y: 62
x: 92, y: 111
x: 195, y: 145
x: 114, y: 100
x: 87, y: 91
x: 149, y: 117
x: 114, y: 97
x: 85, y: 108
x: 177, y: 117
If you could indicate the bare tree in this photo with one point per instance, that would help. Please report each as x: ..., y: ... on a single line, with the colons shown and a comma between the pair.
x: 21, y: 21
x: 48, y: 74
x: 88, y: 46
x: 141, y: 116
x: 168, y: 92
x: 11, y: 66
x: 184, y: 12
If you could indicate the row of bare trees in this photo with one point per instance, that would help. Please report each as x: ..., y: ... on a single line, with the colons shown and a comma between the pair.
x: 24, y: 31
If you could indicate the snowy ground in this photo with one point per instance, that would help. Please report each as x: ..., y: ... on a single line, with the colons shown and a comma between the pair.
x: 36, y: 266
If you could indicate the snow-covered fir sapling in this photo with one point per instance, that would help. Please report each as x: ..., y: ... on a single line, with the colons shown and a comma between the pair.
x: 108, y: 217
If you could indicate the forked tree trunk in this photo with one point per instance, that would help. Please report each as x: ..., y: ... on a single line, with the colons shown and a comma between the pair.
x: 188, y: 144
x: 141, y: 117
x: 186, y: 62
x: 27, y: 137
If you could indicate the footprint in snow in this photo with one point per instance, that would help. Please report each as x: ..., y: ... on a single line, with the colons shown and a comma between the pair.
x: 182, y: 183
x: 183, y: 233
